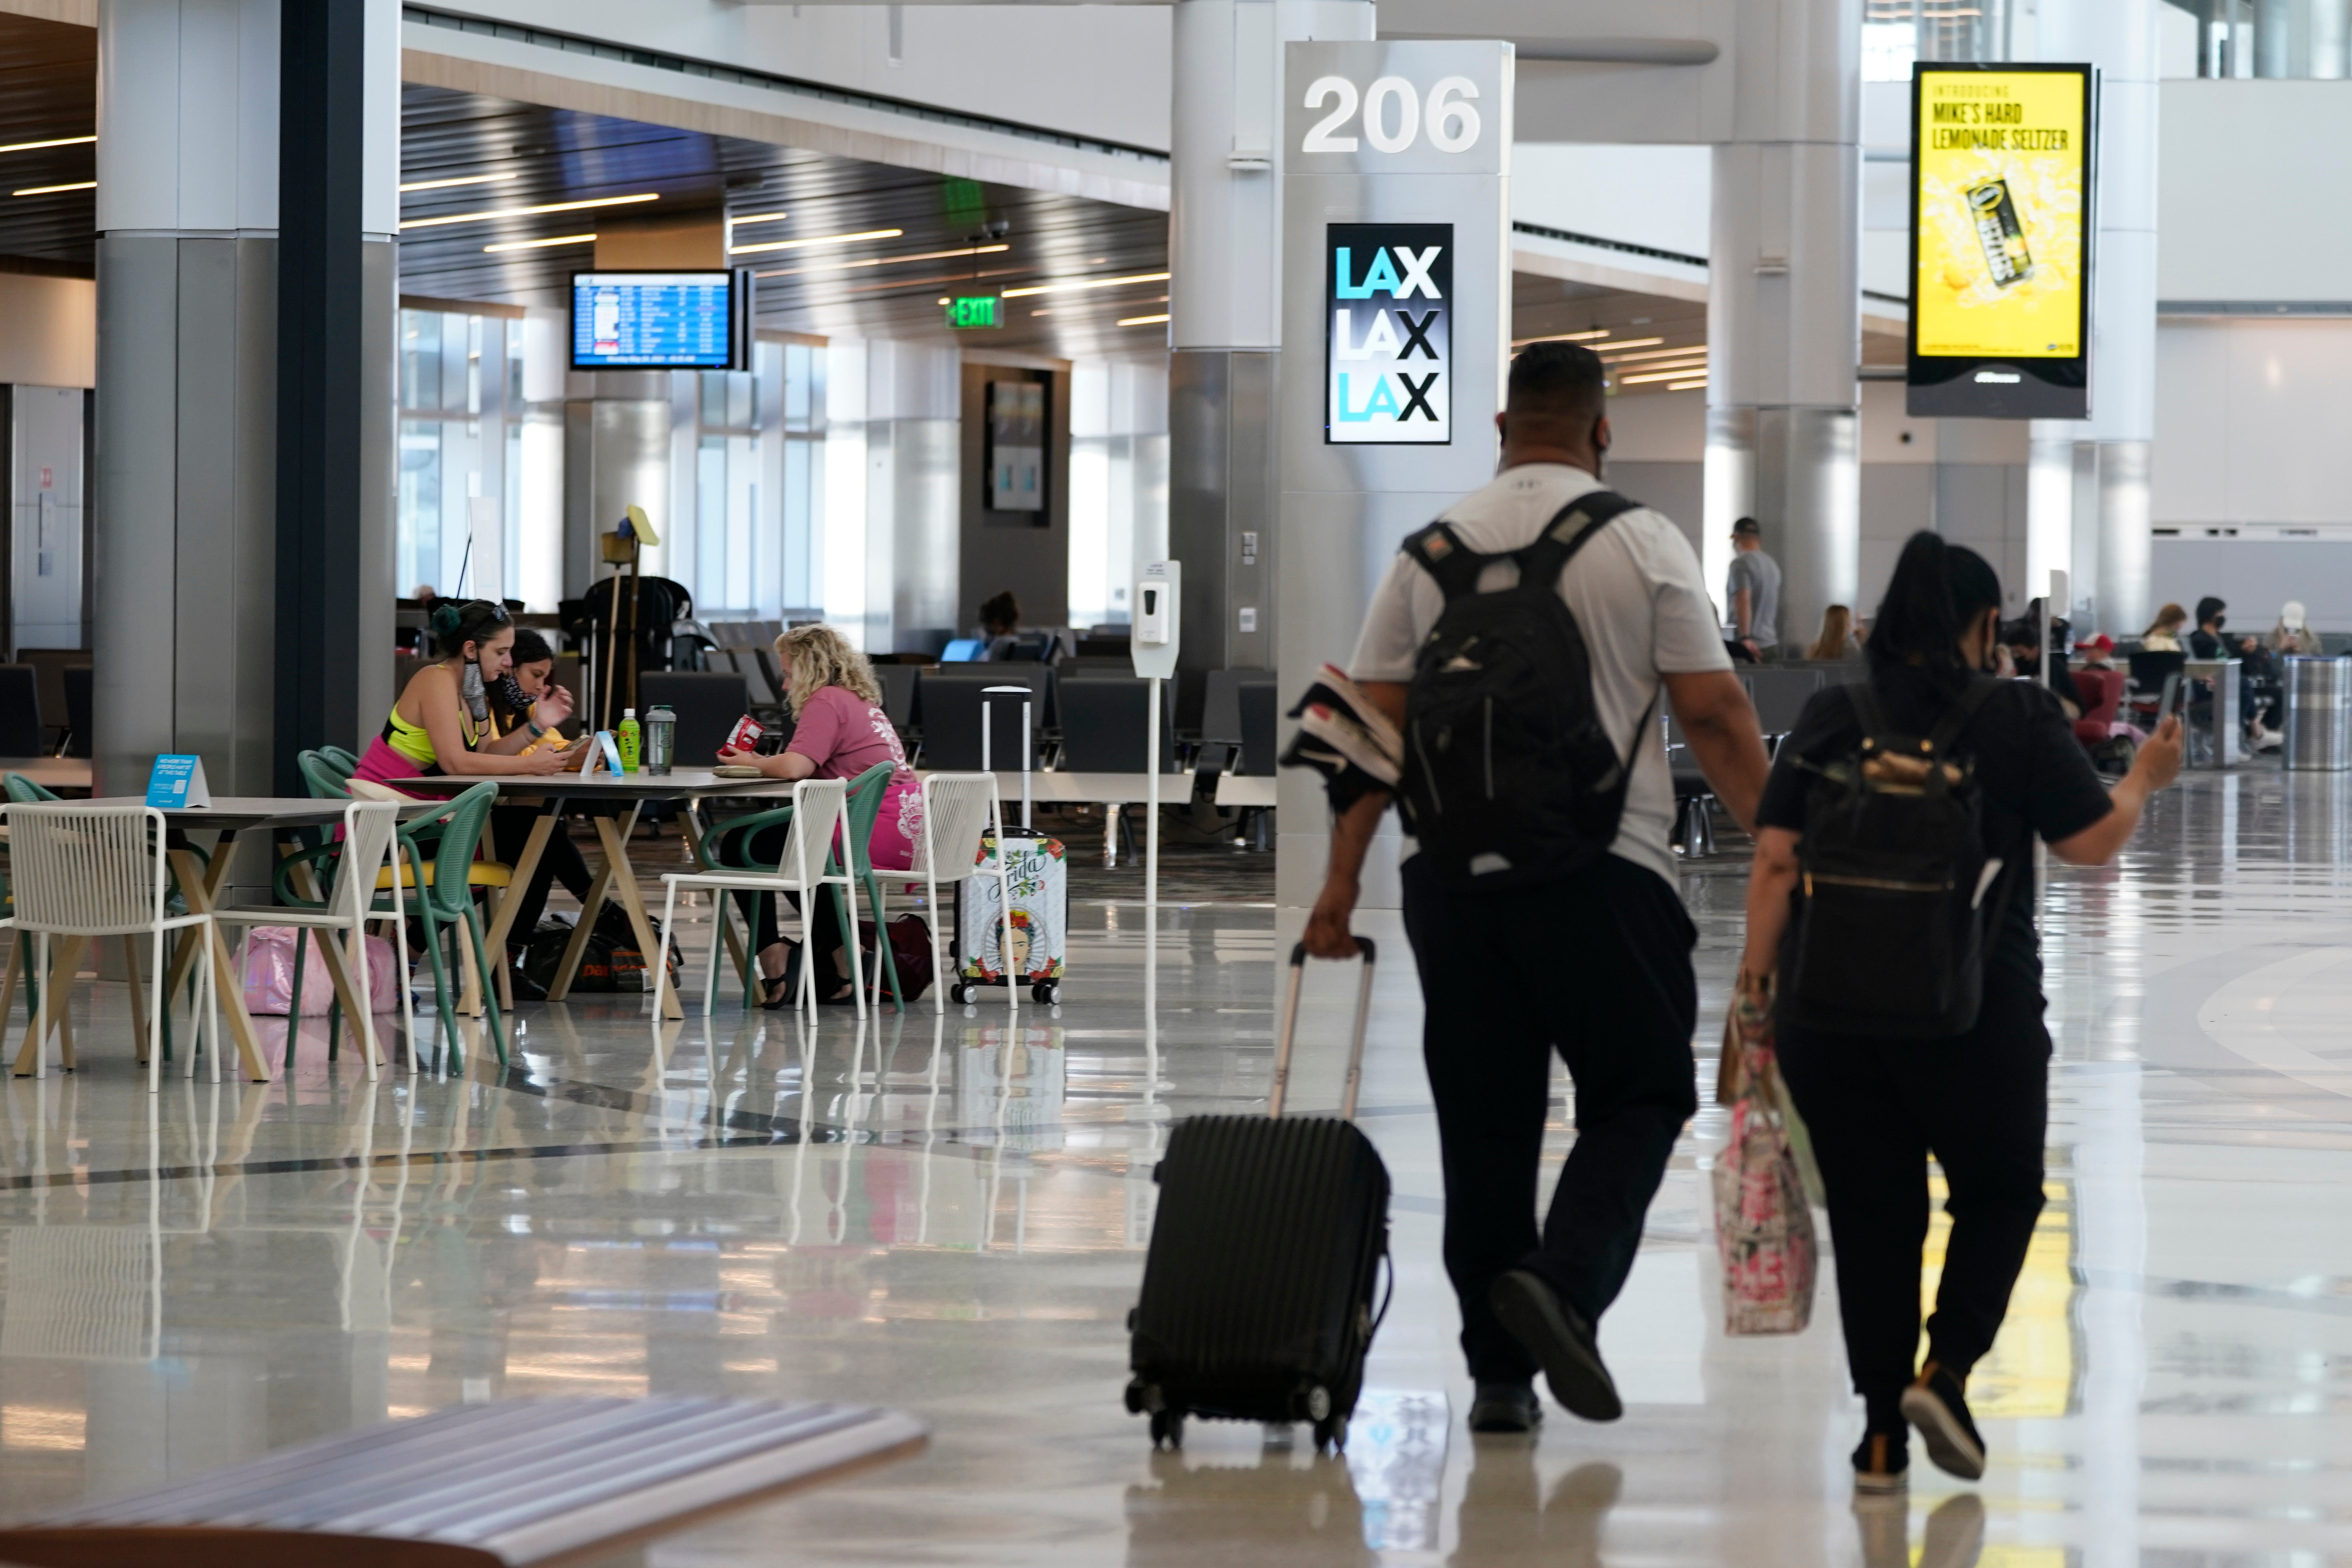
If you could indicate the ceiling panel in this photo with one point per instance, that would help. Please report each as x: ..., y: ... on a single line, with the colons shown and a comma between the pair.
x: 957, y: 237
x: 48, y: 90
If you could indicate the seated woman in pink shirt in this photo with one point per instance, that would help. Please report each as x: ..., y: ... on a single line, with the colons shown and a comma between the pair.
x: 839, y: 730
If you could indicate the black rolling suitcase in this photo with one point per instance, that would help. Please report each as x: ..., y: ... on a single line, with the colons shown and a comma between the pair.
x: 1258, y: 1290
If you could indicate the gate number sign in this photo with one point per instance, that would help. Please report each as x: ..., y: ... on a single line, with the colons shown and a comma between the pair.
x: 1388, y: 352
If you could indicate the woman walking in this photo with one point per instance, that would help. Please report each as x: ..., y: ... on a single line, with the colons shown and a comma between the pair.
x: 1879, y: 1100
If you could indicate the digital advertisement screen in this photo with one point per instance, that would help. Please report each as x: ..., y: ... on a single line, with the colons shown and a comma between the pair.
x: 653, y: 321
x: 1389, y: 354
x: 2001, y: 220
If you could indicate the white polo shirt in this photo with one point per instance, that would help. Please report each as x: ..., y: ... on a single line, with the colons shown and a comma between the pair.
x: 1638, y: 595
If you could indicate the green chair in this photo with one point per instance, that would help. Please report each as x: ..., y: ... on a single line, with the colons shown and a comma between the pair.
x: 444, y: 898
x: 864, y: 804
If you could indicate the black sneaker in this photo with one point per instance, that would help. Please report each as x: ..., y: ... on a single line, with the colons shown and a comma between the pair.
x: 1883, y: 1462
x: 1506, y: 1407
x: 1560, y: 1340
x: 1936, y: 1405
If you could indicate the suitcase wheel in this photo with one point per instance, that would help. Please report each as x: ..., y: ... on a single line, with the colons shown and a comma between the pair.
x: 962, y: 992
x: 1047, y: 992
x: 1168, y: 1428
x: 1331, y: 1434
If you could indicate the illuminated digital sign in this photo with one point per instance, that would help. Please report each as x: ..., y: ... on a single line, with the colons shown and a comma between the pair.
x: 1388, y: 344
x: 2001, y: 226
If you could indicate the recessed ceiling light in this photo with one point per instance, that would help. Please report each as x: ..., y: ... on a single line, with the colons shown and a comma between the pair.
x: 815, y: 239
x: 1655, y: 353
x: 1685, y: 385
x: 881, y: 261
x: 1086, y: 283
x: 58, y: 142
x: 456, y: 180
x: 1141, y: 320
x: 759, y: 218
x: 53, y: 190
x: 526, y: 211
x: 541, y: 243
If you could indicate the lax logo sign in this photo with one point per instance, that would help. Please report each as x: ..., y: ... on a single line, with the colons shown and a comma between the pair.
x: 1389, y: 357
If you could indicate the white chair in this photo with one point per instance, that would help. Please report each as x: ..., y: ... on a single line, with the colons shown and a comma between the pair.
x: 960, y: 810
x: 817, y: 814
x: 366, y: 861
x: 85, y: 871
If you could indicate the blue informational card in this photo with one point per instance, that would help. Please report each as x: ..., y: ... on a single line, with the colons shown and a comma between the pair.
x: 177, y: 782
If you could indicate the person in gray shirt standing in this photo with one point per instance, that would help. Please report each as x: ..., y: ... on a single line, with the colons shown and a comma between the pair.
x: 1751, y: 594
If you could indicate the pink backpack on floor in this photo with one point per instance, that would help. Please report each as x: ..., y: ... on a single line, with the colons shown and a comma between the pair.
x: 267, y: 974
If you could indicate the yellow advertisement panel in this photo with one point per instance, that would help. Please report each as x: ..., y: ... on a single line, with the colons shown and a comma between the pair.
x: 1998, y: 212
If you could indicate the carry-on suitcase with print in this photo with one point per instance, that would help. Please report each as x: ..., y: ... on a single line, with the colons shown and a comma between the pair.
x: 1257, y: 1299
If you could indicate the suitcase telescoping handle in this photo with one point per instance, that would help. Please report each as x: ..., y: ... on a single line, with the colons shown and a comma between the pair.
x: 1290, y: 1032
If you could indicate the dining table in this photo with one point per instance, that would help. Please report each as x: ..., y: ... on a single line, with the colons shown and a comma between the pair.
x: 614, y: 801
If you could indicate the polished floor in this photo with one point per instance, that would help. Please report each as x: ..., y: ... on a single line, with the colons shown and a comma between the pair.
x: 947, y: 1213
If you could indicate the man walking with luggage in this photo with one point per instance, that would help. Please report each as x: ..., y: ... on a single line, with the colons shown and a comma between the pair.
x: 1541, y: 906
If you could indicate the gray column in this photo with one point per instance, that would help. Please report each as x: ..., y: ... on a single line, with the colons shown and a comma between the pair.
x: 2107, y: 550
x: 1784, y: 328
x: 1225, y: 321
x: 184, y: 603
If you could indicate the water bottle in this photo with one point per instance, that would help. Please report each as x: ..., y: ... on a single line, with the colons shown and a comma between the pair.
x: 661, y: 738
x: 628, y: 736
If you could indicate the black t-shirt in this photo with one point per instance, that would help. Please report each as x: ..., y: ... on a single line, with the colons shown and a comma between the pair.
x: 2204, y: 644
x: 2034, y: 778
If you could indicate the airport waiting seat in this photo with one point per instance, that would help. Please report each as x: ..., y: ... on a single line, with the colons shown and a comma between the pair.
x: 22, y: 733
x: 1780, y: 694
x: 80, y: 721
x: 1257, y: 704
x: 952, y: 706
x: 1106, y: 726
x: 1221, y: 713
x: 707, y: 702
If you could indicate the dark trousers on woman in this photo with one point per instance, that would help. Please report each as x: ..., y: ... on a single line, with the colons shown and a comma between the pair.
x: 1876, y: 1110
x: 765, y: 847
x: 510, y: 828
x: 1596, y: 967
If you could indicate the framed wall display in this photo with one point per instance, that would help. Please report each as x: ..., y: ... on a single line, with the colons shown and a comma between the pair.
x: 1017, y: 449
x: 2003, y: 198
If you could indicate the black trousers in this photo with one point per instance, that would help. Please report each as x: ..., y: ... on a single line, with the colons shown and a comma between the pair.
x: 765, y: 847
x: 1876, y: 1110
x: 1597, y: 967
x: 510, y: 828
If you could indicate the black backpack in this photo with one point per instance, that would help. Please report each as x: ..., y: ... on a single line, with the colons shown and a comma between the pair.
x: 1889, y: 934
x: 1508, y: 776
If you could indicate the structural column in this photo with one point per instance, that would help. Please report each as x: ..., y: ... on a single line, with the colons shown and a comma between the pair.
x: 1224, y: 245
x: 2088, y: 498
x: 1784, y: 326
x: 338, y: 301
x: 188, y: 617
x: 893, y: 454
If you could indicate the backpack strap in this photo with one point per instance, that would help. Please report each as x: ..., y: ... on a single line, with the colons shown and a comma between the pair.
x: 1565, y: 534
x: 1441, y: 555
x: 1963, y: 709
x: 1873, y: 717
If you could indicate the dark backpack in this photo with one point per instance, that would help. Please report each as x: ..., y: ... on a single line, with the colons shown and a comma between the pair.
x: 1510, y: 777
x: 1889, y: 934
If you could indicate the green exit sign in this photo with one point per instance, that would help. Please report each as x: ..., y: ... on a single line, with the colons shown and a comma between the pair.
x: 975, y: 311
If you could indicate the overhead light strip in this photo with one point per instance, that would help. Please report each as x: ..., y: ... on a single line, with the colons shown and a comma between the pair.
x: 57, y: 142
x: 407, y: 224
x: 1622, y: 343
x: 1563, y: 338
x: 881, y: 261
x: 457, y: 180
x: 759, y: 218
x: 1659, y: 353
x: 1142, y: 320
x: 540, y: 243
x: 53, y: 190
x: 1085, y: 283
x: 1687, y: 385
x: 1679, y: 373
x: 768, y: 245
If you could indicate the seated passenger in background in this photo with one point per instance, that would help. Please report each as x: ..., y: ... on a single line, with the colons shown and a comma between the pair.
x: 441, y: 722
x: 1838, y: 638
x: 2163, y: 634
x: 513, y: 700
x: 2293, y: 635
x: 839, y: 730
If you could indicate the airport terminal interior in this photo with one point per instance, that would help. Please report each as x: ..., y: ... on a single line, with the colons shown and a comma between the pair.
x: 1063, y: 379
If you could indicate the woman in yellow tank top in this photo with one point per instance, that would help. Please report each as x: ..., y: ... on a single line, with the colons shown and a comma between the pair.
x: 441, y: 722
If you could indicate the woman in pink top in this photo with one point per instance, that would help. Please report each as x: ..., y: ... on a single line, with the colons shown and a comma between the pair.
x: 839, y: 730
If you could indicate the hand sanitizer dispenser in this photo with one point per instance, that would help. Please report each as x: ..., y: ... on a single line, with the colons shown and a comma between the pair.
x: 1158, y: 618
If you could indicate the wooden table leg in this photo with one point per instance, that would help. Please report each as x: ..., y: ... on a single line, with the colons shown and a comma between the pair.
x: 197, y: 885
x: 195, y: 879
x: 502, y: 917
x: 64, y: 958
x: 616, y: 855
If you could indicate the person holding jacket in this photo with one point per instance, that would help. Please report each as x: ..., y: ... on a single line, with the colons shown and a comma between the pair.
x: 1977, y: 1102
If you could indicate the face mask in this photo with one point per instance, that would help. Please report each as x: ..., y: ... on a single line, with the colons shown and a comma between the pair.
x: 510, y: 692
x: 477, y: 698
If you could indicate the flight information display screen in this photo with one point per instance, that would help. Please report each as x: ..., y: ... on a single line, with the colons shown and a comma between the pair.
x: 652, y: 320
